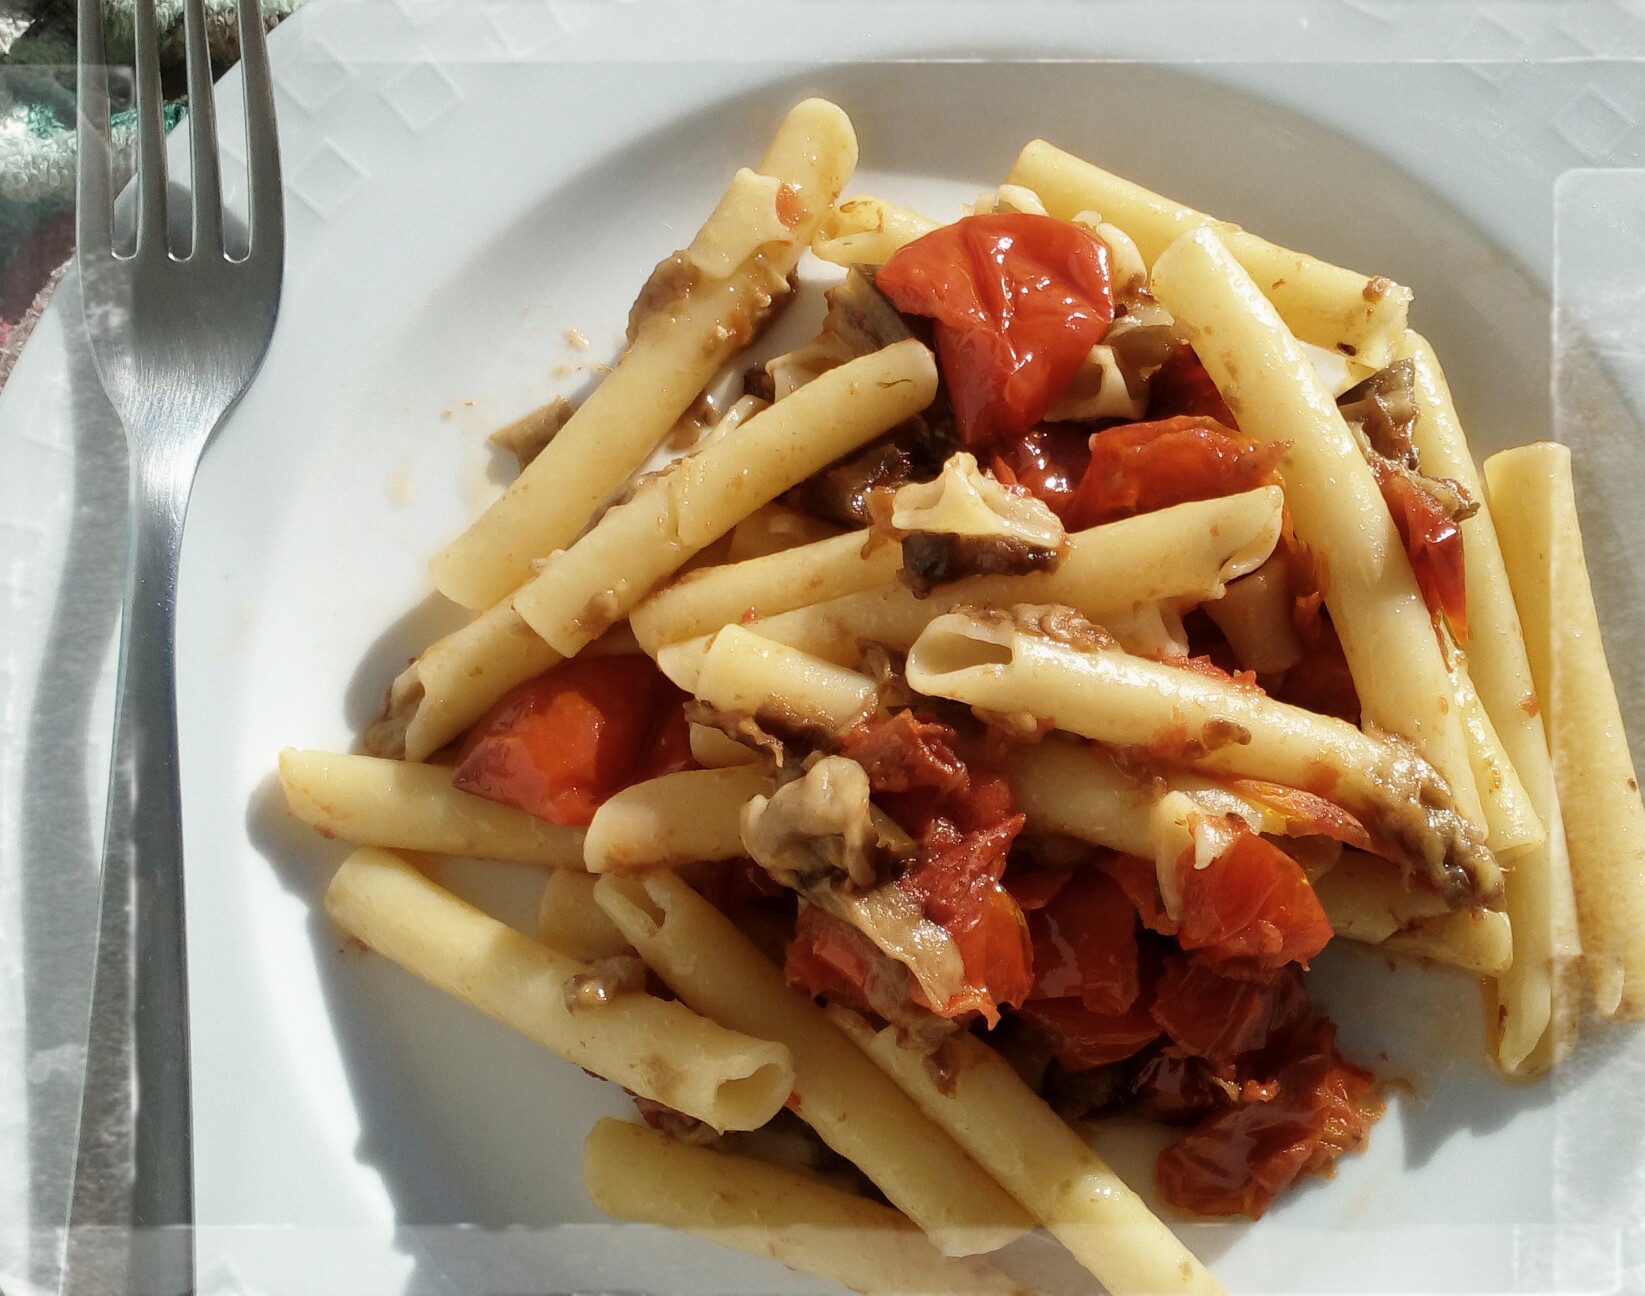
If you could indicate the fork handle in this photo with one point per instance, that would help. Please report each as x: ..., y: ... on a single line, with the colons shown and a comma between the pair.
x: 134, y: 1163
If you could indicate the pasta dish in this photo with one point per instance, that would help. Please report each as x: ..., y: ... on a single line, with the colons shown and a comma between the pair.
x: 980, y: 725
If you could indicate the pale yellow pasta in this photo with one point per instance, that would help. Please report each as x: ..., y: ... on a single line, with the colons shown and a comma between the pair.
x: 854, y: 1109
x: 1367, y: 901
x: 1076, y: 789
x: 1008, y: 1129
x: 680, y: 818
x: 658, y: 1048
x: 1510, y: 819
x: 744, y: 673
x: 867, y: 231
x: 675, y: 351
x: 1003, y: 664
x: 1178, y: 556
x: 713, y: 749
x: 1481, y: 941
x: 772, y: 529
x: 635, y: 546
x: 1386, y: 630
x: 1352, y: 314
x: 1363, y: 906
x: 635, y: 1173
x: 1594, y: 772
x: 570, y: 923
x: 404, y: 806
x: 455, y: 681
x: 705, y: 600
x: 1538, y: 1000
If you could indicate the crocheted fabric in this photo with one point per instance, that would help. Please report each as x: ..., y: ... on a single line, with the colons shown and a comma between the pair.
x: 37, y: 143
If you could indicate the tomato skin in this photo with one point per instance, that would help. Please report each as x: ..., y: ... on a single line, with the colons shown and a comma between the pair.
x: 558, y: 746
x: 1140, y: 467
x: 1085, y: 945
x: 905, y: 752
x: 1139, y: 879
x: 1237, y: 1160
x: 1048, y: 461
x: 1251, y: 907
x: 1433, y: 542
x: 1018, y: 300
x: 1225, y: 1019
x: 1182, y: 386
x: 1172, y: 1090
x: 1087, y: 1039
x: 825, y: 957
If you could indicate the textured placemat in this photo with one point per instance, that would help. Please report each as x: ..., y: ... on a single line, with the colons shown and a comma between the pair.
x: 37, y: 149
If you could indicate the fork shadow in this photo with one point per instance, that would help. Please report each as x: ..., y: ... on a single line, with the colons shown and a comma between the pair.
x: 60, y: 829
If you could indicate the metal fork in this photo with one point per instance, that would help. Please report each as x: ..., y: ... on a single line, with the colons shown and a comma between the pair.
x: 177, y: 336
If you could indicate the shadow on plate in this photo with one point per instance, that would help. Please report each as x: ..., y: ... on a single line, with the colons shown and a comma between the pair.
x: 62, y: 829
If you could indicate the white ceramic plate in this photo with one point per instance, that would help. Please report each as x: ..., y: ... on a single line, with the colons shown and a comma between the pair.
x: 454, y: 210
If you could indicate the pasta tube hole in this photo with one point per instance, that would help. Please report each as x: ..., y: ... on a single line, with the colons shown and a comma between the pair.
x: 753, y: 1092
x: 948, y: 650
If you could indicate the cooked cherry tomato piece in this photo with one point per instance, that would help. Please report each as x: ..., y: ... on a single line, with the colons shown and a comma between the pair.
x: 1019, y: 301
x: 1252, y: 906
x: 1048, y: 461
x: 1240, y: 1158
x: 1034, y: 888
x: 1085, y: 945
x: 1140, y: 467
x: 1433, y: 542
x: 1306, y: 813
x: 1139, y: 879
x: 956, y: 882
x: 1182, y: 386
x: 1221, y: 1018
x: 1173, y: 1090
x: 826, y: 957
x: 561, y: 744
x: 905, y: 751
x: 1086, y: 1039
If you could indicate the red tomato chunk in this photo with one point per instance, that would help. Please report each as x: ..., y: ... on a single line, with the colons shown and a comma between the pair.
x: 1019, y: 301
x: 561, y: 744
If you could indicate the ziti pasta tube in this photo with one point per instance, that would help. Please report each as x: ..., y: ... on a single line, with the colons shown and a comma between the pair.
x: 656, y: 1047
x: 635, y: 546
x: 1044, y: 1164
x: 455, y: 681
x: 636, y: 1173
x: 680, y: 818
x: 399, y: 805
x: 569, y: 922
x: 702, y: 601
x: 1539, y: 998
x: 688, y: 323
x: 1386, y: 631
x: 1179, y: 556
x: 1598, y: 788
x: 1355, y: 315
x: 1069, y: 673
x: 854, y: 1109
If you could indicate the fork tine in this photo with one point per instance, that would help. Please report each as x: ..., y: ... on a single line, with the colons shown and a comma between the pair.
x: 94, y: 221
x: 208, y: 189
x: 151, y: 135
x: 262, y: 143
